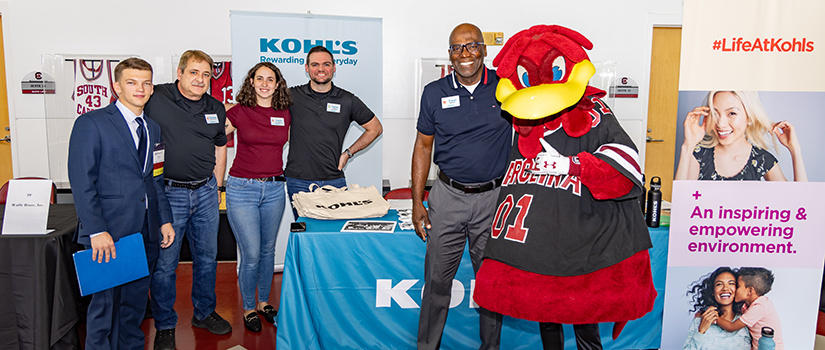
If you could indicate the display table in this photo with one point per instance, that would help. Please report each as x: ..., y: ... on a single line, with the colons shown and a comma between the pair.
x: 38, y: 287
x: 346, y: 290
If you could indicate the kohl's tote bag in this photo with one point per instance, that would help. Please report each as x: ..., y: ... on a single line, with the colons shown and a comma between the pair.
x: 331, y: 203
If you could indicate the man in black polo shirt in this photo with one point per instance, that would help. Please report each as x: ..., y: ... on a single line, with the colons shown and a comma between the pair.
x: 460, y: 116
x: 192, y: 125
x: 321, y: 115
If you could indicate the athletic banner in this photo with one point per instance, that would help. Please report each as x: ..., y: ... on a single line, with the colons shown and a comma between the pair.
x: 746, y: 254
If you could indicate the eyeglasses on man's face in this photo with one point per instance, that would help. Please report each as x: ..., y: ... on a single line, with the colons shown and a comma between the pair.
x: 471, y: 47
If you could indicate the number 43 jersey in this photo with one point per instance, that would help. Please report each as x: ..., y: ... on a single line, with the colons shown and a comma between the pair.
x: 93, y: 84
x: 552, y: 224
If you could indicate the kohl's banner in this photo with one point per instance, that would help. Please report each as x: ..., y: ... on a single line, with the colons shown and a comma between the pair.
x: 773, y: 48
x: 284, y: 39
x: 763, y: 45
x: 774, y: 225
x: 754, y: 68
x: 356, y: 44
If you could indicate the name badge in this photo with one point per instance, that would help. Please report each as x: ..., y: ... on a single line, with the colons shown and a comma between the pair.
x: 158, y: 157
x: 211, y: 118
x: 333, y: 108
x: 450, y: 102
x: 276, y: 121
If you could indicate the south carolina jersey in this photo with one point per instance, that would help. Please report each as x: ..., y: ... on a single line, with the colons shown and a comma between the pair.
x: 552, y: 225
x: 221, y: 85
x: 221, y: 89
x: 93, y: 84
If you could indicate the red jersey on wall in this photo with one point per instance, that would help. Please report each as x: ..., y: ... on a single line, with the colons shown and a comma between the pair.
x: 221, y: 89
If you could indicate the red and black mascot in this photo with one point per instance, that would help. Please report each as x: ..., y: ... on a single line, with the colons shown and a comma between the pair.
x: 569, y: 243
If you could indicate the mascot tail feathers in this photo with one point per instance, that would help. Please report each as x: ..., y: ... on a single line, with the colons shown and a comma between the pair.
x: 617, y: 328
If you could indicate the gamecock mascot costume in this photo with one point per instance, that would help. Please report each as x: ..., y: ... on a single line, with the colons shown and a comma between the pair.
x: 569, y: 243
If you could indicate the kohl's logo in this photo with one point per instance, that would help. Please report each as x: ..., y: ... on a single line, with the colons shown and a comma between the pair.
x: 386, y: 293
x: 296, y: 45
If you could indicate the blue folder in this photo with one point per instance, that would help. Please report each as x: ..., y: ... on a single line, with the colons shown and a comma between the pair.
x: 129, y: 265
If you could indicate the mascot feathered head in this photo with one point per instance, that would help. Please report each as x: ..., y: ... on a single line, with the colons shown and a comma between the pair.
x: 544, y: 72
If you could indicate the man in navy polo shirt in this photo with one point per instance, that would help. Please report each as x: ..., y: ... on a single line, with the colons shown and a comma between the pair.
x: 461, y: 125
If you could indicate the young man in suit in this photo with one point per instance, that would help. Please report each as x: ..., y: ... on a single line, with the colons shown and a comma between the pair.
x: 117, y: 192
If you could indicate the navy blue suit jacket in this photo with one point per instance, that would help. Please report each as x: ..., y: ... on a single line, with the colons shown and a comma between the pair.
x: 108, y: 185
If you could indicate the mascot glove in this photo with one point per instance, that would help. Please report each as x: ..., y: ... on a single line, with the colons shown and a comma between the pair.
x: 551, y: 162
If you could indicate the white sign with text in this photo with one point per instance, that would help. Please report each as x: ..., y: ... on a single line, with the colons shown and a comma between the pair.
x: 27, y: 207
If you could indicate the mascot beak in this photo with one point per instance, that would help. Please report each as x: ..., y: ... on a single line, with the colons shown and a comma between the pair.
x: 546, y: 99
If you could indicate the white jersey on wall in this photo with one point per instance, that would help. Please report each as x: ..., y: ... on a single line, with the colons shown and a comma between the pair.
x: 93, y: 84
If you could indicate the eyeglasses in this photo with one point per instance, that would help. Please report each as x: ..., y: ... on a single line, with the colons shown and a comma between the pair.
x: 471, y: 47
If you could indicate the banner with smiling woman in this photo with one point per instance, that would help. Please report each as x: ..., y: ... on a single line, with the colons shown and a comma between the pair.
x: 747, y: 254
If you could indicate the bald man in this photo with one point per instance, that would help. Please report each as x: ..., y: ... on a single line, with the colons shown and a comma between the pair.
x: 461, y: 126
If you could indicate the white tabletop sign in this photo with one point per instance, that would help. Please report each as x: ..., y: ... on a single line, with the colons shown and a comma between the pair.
x: 27, y: 207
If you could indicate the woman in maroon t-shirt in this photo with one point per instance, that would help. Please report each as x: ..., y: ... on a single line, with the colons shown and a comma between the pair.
x: 255, y: 196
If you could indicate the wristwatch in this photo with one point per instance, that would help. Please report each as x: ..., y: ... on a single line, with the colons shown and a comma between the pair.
x: 221, y: 188
x: 349, y: 154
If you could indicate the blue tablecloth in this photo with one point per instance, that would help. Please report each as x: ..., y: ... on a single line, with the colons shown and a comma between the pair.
x: 345, y: 290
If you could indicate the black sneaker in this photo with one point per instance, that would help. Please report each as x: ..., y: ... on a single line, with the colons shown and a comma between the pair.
x: 165, y: 339
x: 252, y: 322
x: 214, y: 323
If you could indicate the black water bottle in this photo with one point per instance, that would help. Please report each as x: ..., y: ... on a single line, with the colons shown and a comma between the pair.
x: 654, y: 202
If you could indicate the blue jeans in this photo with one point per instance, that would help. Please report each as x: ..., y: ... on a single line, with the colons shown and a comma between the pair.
x: 294, y: 186
x: 254, y: 209
x: 195, y: 213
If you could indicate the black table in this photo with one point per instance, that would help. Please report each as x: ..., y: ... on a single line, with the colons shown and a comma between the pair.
x: 39, y: 296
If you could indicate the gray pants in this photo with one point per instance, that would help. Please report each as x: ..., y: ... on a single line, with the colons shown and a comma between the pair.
x: 456, y: 218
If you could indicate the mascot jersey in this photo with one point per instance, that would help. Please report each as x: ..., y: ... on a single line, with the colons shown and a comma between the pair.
x: 552, y: 224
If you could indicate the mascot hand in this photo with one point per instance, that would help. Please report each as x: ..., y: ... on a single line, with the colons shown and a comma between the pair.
x: 550, y: 162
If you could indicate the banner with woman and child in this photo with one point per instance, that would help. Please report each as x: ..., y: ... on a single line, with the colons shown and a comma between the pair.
x: 746, y: 256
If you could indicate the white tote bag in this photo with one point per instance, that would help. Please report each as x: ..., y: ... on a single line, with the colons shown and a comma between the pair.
x: 330, y: 203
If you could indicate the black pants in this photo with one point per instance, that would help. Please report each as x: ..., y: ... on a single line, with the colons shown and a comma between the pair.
x: 587, y: 336
x: 822, y: 296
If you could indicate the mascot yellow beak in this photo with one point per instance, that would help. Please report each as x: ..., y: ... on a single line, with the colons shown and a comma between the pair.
x: 540, y: 101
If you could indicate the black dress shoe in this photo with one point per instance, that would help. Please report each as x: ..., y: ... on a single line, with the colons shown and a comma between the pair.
x: 269, y: 313
x: 165, y: 339
x: 252, y: 322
